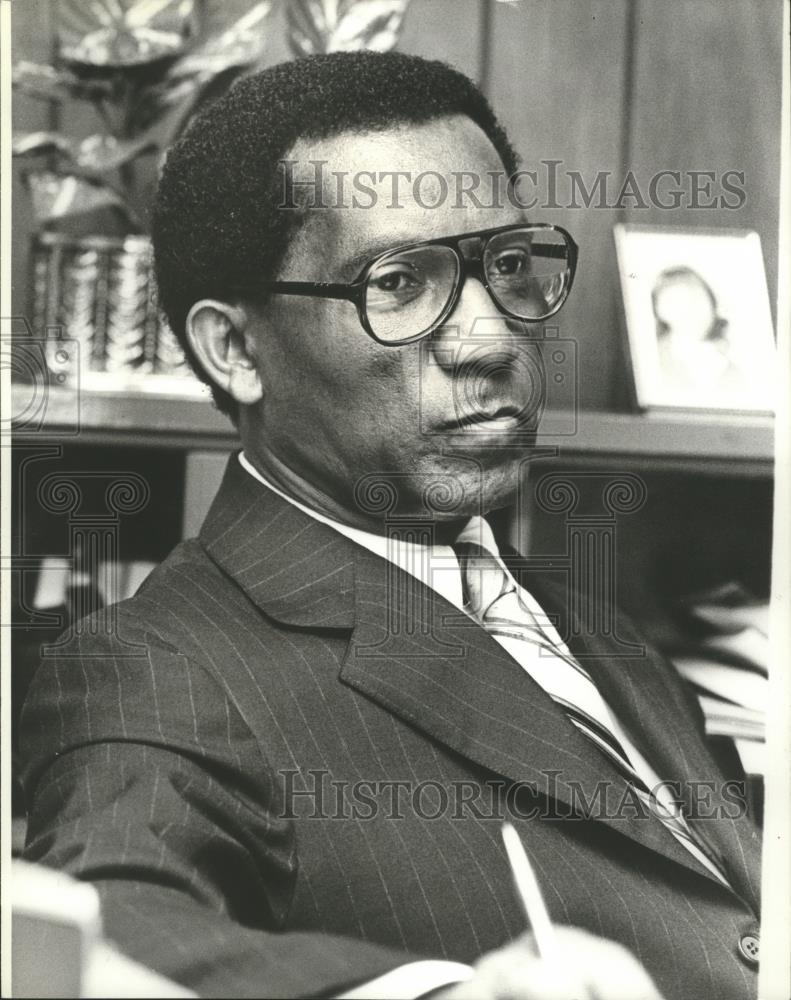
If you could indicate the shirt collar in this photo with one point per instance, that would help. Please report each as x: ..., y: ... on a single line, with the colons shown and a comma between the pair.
x: 435, y: 566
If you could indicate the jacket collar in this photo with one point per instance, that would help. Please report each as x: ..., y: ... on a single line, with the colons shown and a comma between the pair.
x: 419, y: 657
x: 295, y: 569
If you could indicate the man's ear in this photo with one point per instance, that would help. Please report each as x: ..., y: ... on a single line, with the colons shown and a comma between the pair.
x: 218, y: 334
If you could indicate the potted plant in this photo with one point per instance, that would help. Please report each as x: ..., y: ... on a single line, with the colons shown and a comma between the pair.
x: 145, y: 66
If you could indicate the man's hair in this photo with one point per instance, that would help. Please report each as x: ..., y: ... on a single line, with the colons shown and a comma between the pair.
x: 216, y: 222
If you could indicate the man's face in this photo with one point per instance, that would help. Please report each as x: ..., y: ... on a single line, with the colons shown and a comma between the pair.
x: 337, y: 406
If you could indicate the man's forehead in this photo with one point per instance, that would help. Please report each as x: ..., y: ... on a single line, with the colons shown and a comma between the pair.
x: 453, y: 142
x: 365, y: 192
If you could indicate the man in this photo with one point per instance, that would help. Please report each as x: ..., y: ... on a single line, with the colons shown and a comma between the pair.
x: 286, y: 766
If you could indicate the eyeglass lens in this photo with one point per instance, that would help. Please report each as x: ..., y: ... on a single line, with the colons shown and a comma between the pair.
x: 407, y: 291
x: 527, y: 271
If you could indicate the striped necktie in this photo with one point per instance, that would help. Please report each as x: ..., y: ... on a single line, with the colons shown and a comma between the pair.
x: 491, y: 596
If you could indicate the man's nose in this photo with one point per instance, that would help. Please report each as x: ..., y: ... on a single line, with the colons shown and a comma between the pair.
x: 476, y: 331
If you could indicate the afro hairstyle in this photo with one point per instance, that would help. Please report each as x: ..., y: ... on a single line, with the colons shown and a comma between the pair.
x: 216, y: 223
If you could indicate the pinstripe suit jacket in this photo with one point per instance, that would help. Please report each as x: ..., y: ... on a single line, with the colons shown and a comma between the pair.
x: 283, y: 764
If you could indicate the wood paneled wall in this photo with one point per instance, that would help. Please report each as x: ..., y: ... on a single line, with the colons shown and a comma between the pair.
x: 557, y: 78
x: 599, y: 85
x: 705, y: 95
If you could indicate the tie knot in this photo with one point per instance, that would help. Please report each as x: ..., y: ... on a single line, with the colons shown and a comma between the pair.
x: 483, y: 579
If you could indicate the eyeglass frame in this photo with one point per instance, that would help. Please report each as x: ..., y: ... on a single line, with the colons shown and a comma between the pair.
x: 354, y: 291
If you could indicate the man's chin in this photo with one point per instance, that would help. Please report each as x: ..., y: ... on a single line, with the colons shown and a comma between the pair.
x: 442, y: 487
x: 459, y: 487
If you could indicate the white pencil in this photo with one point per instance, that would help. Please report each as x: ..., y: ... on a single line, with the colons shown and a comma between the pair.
x: 530, y: 895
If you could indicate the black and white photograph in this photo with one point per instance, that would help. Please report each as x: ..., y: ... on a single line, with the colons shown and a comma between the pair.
x: 395, y: 490
x: 698, y: 318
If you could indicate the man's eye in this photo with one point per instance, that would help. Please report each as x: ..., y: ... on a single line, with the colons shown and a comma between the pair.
x: 511, y: 263
x: 397, y: 280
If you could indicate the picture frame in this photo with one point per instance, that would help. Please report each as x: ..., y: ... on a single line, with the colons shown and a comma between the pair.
x: 697, y: 318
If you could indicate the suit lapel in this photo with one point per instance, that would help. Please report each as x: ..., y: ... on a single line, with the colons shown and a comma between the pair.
x: 654, y: 711
x: 295, y: 569
x: 418, y: 657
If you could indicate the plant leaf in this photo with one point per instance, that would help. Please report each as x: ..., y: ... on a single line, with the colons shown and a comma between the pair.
x: 37, y: 143
x: 112, y: 34
x: 238, y: 44
x: 344, y: 25
x: 53, y: 84
x: 56, y: 196
x: 100, y: 154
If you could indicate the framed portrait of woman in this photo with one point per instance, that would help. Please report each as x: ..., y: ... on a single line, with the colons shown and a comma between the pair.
x: 698, y: 321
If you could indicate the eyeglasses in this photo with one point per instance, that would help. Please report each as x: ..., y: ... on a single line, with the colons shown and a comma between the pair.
x: 405, y: 293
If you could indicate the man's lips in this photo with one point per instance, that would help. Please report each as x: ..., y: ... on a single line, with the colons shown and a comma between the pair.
x: 497, y: 417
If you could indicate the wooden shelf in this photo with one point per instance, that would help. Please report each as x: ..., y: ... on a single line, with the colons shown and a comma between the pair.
x: 732, y: 444
x: 130, y: 418
x: 717, y: 444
